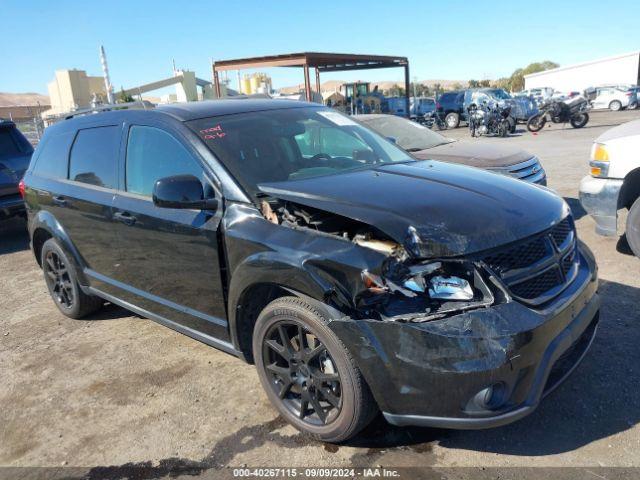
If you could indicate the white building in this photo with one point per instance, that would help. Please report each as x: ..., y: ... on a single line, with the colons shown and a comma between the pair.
x: 616, y: 70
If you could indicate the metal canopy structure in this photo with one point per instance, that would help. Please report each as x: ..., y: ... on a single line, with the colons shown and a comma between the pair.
x: 320, y: 62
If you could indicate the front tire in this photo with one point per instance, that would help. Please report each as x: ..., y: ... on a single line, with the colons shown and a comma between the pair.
x: 633, y: 228
x: 536, y: 123
x: 307, y: 372
x: 452, y: 120
x: 62, y: 283
x: 615, y: 105
x: 580, y: 120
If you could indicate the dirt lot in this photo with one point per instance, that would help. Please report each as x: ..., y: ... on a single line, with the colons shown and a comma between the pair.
x: 118, y: 389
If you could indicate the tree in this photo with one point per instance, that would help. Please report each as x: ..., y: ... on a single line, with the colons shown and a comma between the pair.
x: 123, y: 97
x: 485, y: 83
x: 516, y: 81
x: 474, y: 84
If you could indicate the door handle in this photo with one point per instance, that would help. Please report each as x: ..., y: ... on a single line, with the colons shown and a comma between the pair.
x: 59, y: 201
x: 125, y: 217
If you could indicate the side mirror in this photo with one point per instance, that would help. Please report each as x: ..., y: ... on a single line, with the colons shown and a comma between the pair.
x: 391, y: 139
x: 182, y: 191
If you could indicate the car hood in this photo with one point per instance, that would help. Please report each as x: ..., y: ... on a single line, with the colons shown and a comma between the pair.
x: 475, y: 154
x: 625, y: 130
x: 433, y: 209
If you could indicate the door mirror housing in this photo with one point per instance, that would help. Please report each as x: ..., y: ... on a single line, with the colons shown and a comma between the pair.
x: 182, y: 191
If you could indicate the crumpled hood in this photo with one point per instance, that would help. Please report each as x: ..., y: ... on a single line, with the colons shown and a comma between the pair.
x: 475, y: 154
x: 434, y: 209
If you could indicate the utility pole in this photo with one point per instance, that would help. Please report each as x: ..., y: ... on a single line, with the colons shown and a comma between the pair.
x: 105, y: 71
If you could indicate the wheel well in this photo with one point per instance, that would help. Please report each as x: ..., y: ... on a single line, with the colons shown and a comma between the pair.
x: 39, y: 237
x: 250, y: 304
x: 630, y: 190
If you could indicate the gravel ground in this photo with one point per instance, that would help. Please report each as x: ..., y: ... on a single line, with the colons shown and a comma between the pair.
x: 118, y: 390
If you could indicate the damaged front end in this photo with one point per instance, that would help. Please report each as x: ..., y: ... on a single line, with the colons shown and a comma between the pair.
x: 402, y: 287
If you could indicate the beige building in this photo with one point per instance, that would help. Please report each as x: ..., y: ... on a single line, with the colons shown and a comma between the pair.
x: 73, y: 89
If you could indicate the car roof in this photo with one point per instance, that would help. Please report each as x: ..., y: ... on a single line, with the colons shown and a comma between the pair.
x: 182, y: 112
x: 213, y: 108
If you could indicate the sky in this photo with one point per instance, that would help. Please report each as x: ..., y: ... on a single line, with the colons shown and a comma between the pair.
x: 443, y: 40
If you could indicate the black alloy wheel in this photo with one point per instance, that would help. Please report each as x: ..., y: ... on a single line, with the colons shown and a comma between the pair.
x: 62, y: 282
x: 302, y: 373
x: 59, y: 280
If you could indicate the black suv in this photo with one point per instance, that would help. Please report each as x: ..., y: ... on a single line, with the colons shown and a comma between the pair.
x: 354, y: 276
x: 15, y: 153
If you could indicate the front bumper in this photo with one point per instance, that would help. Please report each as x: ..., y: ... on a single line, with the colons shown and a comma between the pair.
x: 11, y: 205
x: 431, y: 373
x: 599, y: 197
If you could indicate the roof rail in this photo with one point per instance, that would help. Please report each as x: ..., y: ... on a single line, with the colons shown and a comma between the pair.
x: 138, y: 105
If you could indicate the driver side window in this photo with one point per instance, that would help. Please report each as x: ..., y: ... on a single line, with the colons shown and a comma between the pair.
x: 153, y: 154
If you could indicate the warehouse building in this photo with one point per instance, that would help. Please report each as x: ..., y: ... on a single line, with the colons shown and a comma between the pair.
x: 616, y: 70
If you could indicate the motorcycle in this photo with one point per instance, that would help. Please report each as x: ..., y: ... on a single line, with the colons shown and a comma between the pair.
x: 573, y: 111
x: 433, y: 120
x: 485, y: 119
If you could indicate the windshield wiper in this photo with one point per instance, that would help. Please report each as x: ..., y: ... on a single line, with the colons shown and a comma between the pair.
x: 415, y: 149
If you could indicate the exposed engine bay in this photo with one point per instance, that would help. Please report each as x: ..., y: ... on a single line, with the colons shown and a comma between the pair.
x: 403, y: 288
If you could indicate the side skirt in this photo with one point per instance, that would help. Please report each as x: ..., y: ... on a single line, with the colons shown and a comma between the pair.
x: 209, y: 340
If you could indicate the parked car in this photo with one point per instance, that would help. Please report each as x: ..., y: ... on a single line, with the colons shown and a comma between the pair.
x: 452, y: 106
x: 614, y: 182
x: 612, y: 98
x: 421, y: 106
x: 633, y: 102
x: 15, y: 153
x: 426, y: 144
x: 355, y: 277
x: 521, y: 108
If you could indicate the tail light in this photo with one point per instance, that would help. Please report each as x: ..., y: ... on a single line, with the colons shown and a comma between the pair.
x: 21, y: 187
x: 629, y: 94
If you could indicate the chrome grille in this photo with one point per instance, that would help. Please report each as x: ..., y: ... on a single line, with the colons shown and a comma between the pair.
x: 537, y: 269
x: 529, y: 171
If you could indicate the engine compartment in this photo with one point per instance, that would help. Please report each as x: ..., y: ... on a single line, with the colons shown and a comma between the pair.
x: 402, y: 288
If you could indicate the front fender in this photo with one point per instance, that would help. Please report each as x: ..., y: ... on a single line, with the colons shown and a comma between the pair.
x: 45, y: 220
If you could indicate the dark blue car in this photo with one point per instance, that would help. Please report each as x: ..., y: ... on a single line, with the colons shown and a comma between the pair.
x: 15, y: 153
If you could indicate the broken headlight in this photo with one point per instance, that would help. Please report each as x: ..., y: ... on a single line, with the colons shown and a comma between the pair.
x: 426, y: 291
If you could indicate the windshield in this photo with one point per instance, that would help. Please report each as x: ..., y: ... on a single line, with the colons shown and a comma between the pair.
x: 499, y: 94
x: 291, y: 144
x: 409, y: 135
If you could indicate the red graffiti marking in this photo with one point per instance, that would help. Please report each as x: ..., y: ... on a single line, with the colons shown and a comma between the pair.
x: 213, y: 133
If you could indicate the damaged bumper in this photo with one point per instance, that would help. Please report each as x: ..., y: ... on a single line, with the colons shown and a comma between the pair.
x: 599, y: 197
x: 478, y: 369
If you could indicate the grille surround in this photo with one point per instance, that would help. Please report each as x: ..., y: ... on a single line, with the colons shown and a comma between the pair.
x: 530, y: 170
x: 536, y: 269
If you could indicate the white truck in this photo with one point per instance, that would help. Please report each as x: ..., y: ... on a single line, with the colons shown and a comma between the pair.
x: 614, y: 182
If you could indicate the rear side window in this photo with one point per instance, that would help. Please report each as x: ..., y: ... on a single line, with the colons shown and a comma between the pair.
x: 8, y: 145
x: 53, y: 157
x: 153, y: 154
x: 94, y: 156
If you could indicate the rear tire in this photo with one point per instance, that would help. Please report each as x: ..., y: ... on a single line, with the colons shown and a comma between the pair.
x: 295, y: 381
x: 580, y: 120
x: 615, y: 105
x: 62, y: 281
x: 633, y: 228
x: 452, y: 120
x: 536, y: 123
